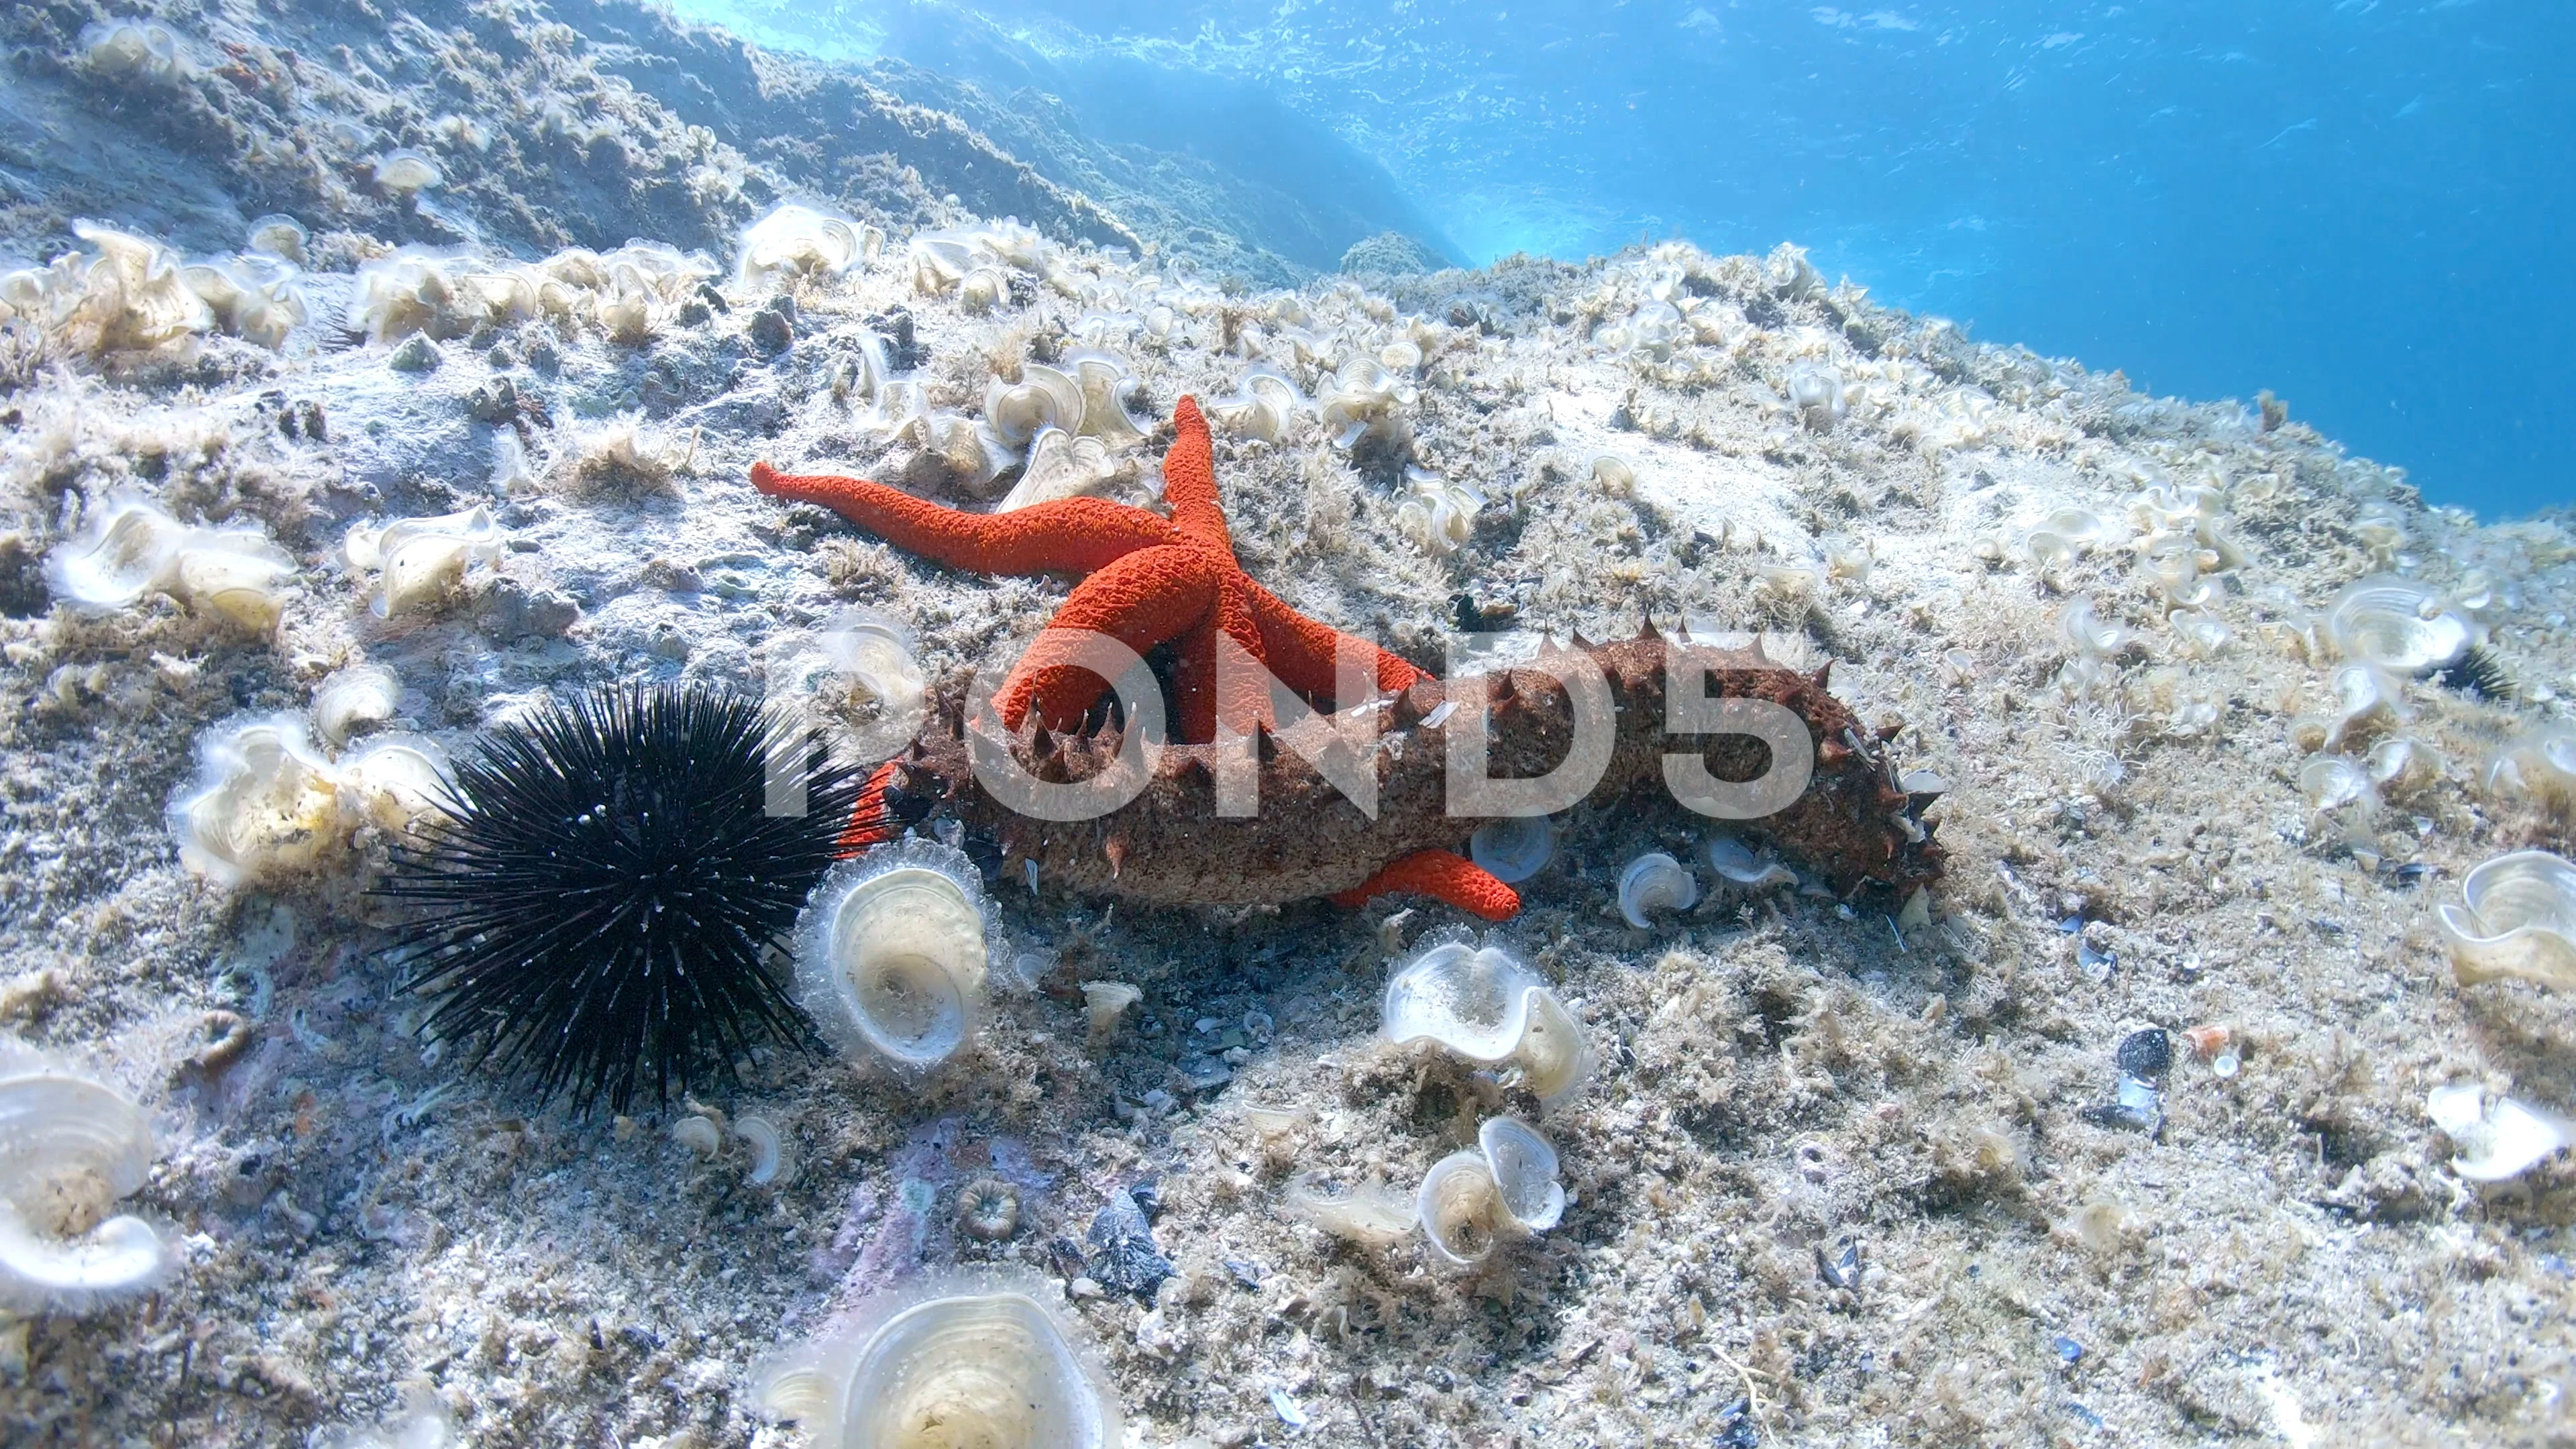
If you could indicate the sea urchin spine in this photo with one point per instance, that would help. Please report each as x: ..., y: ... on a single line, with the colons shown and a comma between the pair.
x: 597, y: 906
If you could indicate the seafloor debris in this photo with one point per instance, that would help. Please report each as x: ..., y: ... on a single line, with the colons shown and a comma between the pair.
x: 2145, y: 1059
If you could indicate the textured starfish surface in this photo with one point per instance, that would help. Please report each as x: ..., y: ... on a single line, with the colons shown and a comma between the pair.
x: 1147, y: 580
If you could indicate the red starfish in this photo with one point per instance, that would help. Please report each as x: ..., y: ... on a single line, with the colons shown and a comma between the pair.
x: 1149, y: 579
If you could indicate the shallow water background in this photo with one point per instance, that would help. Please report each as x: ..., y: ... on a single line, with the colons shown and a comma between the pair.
x: 2360, y: 205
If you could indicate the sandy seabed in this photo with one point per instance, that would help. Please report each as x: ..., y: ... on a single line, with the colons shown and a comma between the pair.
x: 1834, y: 1180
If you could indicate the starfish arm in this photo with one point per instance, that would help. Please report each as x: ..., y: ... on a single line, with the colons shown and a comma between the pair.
x: 1189, y: 480
x: 1069, y: 535
x: 1207, y: 693
x: 1140, y: 600
x: 871, y: 823
x: 1443, y: 875
x: 1301, y: 651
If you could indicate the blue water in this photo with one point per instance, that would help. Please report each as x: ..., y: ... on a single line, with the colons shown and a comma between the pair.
x: 2364, y: 206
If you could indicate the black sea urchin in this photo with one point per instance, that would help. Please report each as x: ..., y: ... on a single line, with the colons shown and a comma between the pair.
x: 596, y: 910
x: 2479, y: 674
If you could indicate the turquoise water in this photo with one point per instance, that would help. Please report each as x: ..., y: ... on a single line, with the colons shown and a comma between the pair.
x: 2363, y: 206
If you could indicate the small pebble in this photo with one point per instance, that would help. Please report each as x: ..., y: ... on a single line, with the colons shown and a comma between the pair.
x: 2069, y: 1351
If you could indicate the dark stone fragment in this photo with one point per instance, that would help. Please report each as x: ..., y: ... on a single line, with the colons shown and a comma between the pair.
x: 1149, y: 1200
x: 496, y: 401
x: 904, y: 351
x: 2147, y: 1054
x: 1121, y: 1255
x: 771, y: 332
x: 1735, y: 1427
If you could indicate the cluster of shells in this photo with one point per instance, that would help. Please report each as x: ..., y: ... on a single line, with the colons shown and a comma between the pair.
x: 127, y: 294
x: 1339, y: 365
x: 1485, y: 1007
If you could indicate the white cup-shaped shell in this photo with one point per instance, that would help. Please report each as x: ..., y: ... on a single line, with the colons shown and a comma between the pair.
x: 983, y: 288
x: 2398, y: 624
x: 1042, y: 398
x: 797, y: 238
x: 359, y: 694
x: 279, y: 235
x: 892, y: 956
x: 954, y: 1365
x: 1369, y: 1212
x: 407, y: 171
x: 1060, y: 466
x: 874, y: 652
x: 263, y: 800
x: 66, y: 1137
x: 2402, y: 763
x: 422, y: 560
x: 1614, y: 475
x: 1736, y: 864
x: 1262, y: 408
x: 2087, y: 632
x: 2496, y: 1139
x: 1523, y: 1167
x: 1459, y: 1206
x: 235, y: 574
x: 393, y: 781
x: 2331, y: 782
x: 1472, y: 1001
x: 1554, y: 1057
x: 128, y: 548
x: 2077, y: 525
x: 1816, y: 389
x: 2542, y: 762
x: 1513, y: 850
x: 2517, y: 919
x: 1655, y: 882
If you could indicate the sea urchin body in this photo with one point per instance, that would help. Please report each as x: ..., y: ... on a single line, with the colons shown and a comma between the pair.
x: 596, y: 909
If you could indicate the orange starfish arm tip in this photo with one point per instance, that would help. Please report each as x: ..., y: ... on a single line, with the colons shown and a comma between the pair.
x: 1443, y: 875
x: 1189, y: 480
